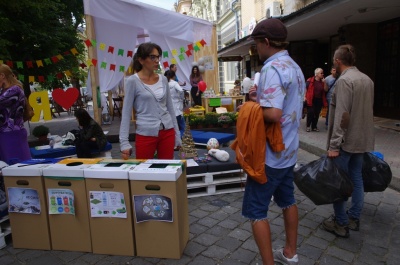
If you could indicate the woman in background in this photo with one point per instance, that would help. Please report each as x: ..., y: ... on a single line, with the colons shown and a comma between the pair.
x: 195, y: 78
x: 91, y: 135
x: 14, y: 146
x: 177, y: 95
x: 148, y: 93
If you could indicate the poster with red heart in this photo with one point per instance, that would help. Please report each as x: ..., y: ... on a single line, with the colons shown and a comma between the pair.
x: 65, y: 98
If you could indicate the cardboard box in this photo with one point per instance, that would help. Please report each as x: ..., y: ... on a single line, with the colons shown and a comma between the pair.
x: 68, y: 207
x: 160, y: 209
x: 110, y: 218
x: 89, y: 161
x: 30, y: 229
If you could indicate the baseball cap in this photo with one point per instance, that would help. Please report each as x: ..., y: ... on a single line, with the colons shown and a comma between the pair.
x: 270, y: 28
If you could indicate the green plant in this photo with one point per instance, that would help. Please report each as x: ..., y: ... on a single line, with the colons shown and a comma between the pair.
x: 40, y: 130
x: 211, y: 118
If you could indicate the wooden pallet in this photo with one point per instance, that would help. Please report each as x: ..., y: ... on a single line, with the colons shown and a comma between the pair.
x: 215, y: 183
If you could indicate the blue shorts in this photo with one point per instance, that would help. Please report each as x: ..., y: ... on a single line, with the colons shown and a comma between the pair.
x: 257, y: 196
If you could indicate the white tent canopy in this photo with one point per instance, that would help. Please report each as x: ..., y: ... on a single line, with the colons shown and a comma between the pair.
x: 122, y: 24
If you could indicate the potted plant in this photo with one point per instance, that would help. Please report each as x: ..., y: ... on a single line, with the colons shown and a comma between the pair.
x: 211, y: 119
x: 41, y: 132
x: 224, y: 120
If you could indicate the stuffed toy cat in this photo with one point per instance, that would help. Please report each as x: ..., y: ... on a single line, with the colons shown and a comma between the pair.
x: 220, y: 155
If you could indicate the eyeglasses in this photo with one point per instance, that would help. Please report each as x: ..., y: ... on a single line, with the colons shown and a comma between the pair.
x: 155, y: 58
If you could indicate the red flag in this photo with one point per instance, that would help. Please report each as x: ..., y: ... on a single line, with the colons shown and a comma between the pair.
x: 130, y: 54
x: 59, y: 75
x: 94, y: 62
x: 188, y: 53
x: 165, y: 64
x: 111, y: 49
x: 41, y: 78
x: 202, y: 42
x: 88, y: 43
x: 29, y: 64
x: 54, y: 59
x: 112, y: 67
x: 10, y: 64
x: 190, y: 47
x: 82, y: 65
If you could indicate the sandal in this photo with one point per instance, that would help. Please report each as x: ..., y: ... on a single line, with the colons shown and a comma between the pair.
x: 315, y: 130
x: 308, y: 129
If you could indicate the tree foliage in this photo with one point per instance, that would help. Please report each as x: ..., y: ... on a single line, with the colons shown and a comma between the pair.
x: 35, y: 30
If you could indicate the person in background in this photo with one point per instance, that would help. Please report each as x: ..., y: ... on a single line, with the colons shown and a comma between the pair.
x: 246, y: 85
x: 195, y: 78
x: 174, y: 68
x: 315, y: 98
x: 329, y: 87
x: 14, y: 146
x: 91, y: 135
x: 350, y: 135
x: 177, y: 95
x: 149, y: 94
x: 280, y: 93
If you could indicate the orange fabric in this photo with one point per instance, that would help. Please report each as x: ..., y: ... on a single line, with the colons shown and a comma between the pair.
x: 251, y: 139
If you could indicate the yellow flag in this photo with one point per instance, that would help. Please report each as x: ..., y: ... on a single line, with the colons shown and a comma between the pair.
x: 174, y: 52
x: 102, y: 46
x: 31, y: 79
x: 39, y: 63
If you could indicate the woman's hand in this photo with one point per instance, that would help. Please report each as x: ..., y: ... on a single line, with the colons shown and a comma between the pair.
x: 125, y: 154
x: 93, y: 139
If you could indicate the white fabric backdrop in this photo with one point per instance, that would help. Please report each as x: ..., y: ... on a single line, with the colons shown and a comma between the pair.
x: 118, y: 23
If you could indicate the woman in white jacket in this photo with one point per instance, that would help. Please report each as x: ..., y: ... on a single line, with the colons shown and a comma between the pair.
x: 177, y: 95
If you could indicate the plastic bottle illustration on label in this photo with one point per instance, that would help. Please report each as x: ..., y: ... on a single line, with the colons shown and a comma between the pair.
x: 104, y: 199
x: 53, y: 200
x: 65, y: 200
x: 70, y: 201
x: 59, y: 201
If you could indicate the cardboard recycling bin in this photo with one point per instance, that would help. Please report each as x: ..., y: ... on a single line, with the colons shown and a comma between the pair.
x: 160, y: 208
x: 68, y: 206
x: 27, y: 206
x: 110, y: 210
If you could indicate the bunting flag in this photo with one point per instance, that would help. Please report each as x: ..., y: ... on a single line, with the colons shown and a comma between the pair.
x: 20, y: 65
x: 174, y: 52
x: 10, y: 64
x: 122, y: 68
x: 89, y: 62
x: 59, y: 75
x: 130, y: 54
x: 111, y: 49
x: 47, y: 61
x: 39, y: 63
x: 66, y: 53
x: 181, y: 57
x: 182, y: 49
x: 68, y: 73
x: 59, y: 57
x: 203, y: 42
x: 165, y: 64
x: 1, y: 61
x: 41, y: 78
x: 173, y: 61
x: 94, y: 62
x: 165, y: 54
x: 188, y: 53
x: 196, y: 48
x: 121, y: 52
x: 103, y: 65
x: 21, y: 77
x: 88, y: 43
x: 112, y: 67
x: 50, y: 78
x: 190, y: 47
x: 54, y: 59
x: 31, y: 79
x: 82, y: 65
x: 102, y: 46
x: 74, y: 51
x: 94, y: 43
x: 29, y: 64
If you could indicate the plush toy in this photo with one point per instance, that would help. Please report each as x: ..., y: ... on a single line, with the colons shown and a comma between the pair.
x: 220, y: 155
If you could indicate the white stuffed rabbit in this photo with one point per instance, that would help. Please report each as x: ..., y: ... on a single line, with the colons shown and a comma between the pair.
x: 220, y: 155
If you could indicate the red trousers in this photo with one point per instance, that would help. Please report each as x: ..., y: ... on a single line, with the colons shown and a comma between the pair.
x: 164, y: 144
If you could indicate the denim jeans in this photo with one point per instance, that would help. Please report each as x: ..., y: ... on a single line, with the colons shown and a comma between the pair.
x: 351, y: 163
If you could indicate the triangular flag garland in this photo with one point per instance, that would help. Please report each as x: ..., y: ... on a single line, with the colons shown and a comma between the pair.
x: 169, y: 57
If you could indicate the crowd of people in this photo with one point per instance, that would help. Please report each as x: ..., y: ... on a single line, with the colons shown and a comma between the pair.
x: 280, y: 93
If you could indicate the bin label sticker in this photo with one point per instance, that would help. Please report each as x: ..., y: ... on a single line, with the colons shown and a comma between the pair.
x: 107, y: 204
x: 61, y: 201
x: 23, y: 200
x: 152, y: 207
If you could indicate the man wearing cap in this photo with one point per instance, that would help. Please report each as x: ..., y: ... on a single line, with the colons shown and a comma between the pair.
x: 280, y: 93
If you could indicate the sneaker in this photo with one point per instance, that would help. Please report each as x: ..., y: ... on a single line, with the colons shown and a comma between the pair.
x: 354, y: 224
x: 280, y: 257
x: 332, y: 226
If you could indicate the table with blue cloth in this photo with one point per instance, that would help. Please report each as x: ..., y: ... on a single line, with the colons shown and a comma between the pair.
x: 64, y: 151
x: 202, y: 137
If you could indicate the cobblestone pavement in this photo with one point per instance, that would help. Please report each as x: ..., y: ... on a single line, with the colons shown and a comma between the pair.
x: 220, y: 235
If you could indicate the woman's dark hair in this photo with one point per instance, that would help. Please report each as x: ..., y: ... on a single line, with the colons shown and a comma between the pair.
x: 197, y: 73
x: 83, y: 117
x: 170, y: 74
x: 143, y: 51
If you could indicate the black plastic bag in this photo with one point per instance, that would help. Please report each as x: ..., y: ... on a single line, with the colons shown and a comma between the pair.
x: 376, y: 173
x: 323, y: 182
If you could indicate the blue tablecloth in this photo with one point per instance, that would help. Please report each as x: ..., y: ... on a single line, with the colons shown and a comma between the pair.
x: 60, y: 152
x: 202, y: 137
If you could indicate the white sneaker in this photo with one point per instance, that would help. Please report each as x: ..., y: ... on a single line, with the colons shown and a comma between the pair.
x: 280, y: 257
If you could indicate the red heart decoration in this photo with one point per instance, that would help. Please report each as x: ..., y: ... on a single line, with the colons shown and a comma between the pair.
x: 65, y: 98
